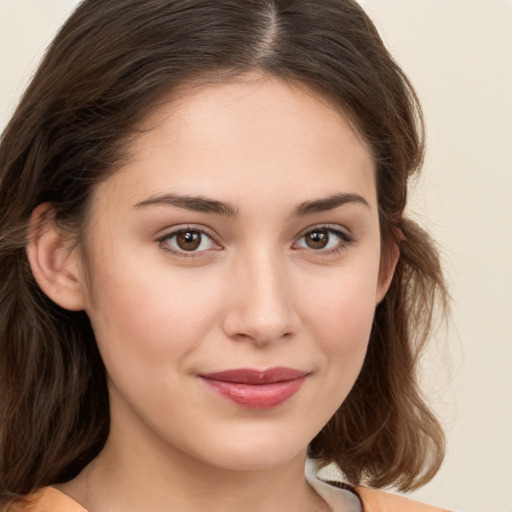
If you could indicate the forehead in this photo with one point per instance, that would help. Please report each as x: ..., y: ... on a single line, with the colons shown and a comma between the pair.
x: 245, y: 102
x: 247, y: 135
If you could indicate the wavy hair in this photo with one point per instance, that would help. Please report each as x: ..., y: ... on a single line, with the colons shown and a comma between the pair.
x: 107, y: 67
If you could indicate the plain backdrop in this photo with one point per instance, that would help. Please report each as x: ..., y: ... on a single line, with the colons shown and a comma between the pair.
x: 458, y: 54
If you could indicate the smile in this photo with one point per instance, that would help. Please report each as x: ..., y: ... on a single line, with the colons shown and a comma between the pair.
x: 256, y: 389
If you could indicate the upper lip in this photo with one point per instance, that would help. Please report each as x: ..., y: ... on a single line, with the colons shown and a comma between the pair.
x: 252, y: 376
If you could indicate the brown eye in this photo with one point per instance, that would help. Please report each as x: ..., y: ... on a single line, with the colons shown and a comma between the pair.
x: 317, y: 239
x: 188, y: 240
x: 324, y: 239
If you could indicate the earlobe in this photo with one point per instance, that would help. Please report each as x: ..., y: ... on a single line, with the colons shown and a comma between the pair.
x: 56, y: 265
x: 387, y: 271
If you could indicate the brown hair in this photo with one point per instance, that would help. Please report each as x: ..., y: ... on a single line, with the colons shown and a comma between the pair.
x: 105, y: 69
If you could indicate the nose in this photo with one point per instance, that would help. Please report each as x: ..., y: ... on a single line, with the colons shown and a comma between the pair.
x: 261, y: 306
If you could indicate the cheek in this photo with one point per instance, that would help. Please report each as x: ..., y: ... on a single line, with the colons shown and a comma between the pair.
x: 339, y: 318
x: 146, y: 315
x: 344, y: 306
x: 343, y: 337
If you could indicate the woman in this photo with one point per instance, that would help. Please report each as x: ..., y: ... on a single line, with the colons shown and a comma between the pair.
x: 206, y: 270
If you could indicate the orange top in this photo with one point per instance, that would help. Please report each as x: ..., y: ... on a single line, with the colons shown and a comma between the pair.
x: 379, y: 501
x: 50, y: 499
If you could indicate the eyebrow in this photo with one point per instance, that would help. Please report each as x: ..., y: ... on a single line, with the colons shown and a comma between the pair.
x: 206, y: 205
x: 329, y: 203
x: 194, y: 203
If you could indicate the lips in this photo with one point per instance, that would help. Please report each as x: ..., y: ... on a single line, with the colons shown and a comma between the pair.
x: 256, y: 389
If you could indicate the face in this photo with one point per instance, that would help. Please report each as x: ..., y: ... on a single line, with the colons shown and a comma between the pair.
x: 234, y: 267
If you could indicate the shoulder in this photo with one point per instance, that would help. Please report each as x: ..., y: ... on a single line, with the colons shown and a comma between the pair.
x: 375, y: 500
x: 45, y: 500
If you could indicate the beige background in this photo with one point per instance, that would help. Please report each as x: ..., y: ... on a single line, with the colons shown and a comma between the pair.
x: 458, y: 54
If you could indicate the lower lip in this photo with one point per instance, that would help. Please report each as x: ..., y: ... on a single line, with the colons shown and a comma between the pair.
x: 257, y: 396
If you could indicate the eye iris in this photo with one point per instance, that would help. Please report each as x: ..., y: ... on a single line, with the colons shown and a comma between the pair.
x: 317, y: 239
x: 188, y: 240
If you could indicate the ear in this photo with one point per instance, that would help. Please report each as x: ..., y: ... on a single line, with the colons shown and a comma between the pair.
x: 55, y: 262
x: 387, y: 270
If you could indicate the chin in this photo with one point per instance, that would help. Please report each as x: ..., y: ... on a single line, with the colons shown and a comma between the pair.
x: 255, y: 452
x: 258, y: 462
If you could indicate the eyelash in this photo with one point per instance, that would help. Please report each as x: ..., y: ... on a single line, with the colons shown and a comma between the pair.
x: 182, y: 253
x: 345, y: 239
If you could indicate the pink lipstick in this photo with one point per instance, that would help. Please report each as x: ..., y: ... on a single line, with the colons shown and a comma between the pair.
x: 256, y: 389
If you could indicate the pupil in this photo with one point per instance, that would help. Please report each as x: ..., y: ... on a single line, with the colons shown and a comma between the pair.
x: 189, y: 240
x: 317, y: 239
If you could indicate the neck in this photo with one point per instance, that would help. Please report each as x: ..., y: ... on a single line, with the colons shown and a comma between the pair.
x: 142, y: 478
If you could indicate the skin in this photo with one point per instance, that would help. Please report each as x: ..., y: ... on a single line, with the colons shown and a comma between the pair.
x: 256, y: 293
